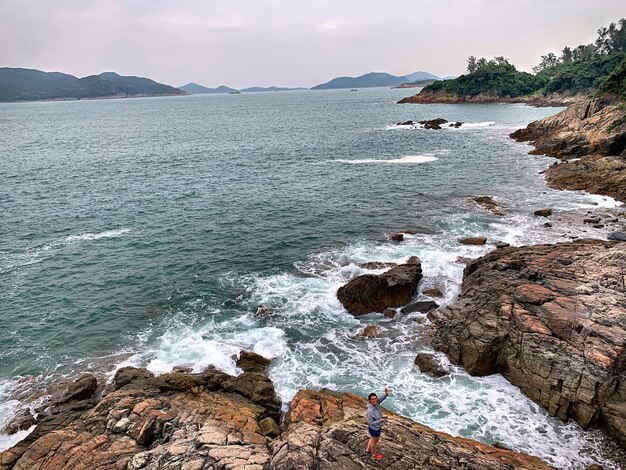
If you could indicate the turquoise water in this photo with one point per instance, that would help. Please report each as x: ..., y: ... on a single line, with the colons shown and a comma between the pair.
x: 148, y: 231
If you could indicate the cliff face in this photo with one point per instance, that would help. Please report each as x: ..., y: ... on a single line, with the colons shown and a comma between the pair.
x: 594, y: 129
x: 184, y: 421
x: 552, y: 320
x: 593, y: 126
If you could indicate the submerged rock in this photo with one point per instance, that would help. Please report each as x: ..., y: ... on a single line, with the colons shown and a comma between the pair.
x: 489, y: 203
x: 473, y: 240
x: 370, y: 331
x: 422, y: 306
x: 552, y: 320
x: 377, y: 265
x: 618, y: 236
x: 543, y: 212
x: 397, y: 237
x: 428, y: 364
x: 433, y: 292
x: 374, y: 293
x: 433, y: 123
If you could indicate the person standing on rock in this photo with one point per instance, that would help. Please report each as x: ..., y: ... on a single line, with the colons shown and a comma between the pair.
x: 374, y: 422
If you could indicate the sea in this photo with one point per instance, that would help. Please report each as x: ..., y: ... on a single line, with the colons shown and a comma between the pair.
x: 147, y: 232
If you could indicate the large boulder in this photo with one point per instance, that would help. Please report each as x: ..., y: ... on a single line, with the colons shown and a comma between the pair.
x: 374, y: 293
x: 552, y: 320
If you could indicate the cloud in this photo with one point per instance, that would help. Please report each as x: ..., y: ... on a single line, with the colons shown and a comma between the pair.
x: 338, y: 27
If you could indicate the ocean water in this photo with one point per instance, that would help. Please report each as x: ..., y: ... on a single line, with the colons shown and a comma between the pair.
x: 148, y: 231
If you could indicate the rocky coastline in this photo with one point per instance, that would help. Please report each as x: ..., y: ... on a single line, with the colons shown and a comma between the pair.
x: 550, y: 318
x: 590, y: 140
x: 210, y: 420
x: 441, y: 97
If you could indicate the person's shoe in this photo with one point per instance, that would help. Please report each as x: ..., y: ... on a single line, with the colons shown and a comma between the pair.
x: 378, y: 456
x: 372, y: 457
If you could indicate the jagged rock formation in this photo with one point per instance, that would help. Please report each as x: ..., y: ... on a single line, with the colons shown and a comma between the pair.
x: 213, y: 421
x: 593, y: 126
x: 174, y: 421
x: 552, y: 320
x: 326, y: 431
x: 594, y: 129
x: 594, y: 173
x: 374, y: 293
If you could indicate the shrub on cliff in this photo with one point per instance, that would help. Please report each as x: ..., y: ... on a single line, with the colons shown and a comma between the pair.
x: 615, y: 83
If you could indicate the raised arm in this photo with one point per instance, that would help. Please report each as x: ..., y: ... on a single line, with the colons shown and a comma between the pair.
x: 385, y: 395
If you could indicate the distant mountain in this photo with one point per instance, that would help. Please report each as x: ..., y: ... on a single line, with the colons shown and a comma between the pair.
x: 18, y: 84
x: 195, y: 89
x: 257, y: 89
x: 371, y: 79
x: 449, y: 77
x: 420, y: 76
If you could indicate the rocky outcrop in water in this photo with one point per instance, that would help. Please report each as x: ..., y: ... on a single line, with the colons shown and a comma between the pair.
x: 211, y: 421
x: 594, y: 129
x: 374, y: 293
x: 552, y: 320
x: 594, y: 173
x: 591, y: 127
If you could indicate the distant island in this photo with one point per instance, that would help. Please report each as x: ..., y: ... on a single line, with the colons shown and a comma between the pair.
x: 19, y: 84
x: 372, y: 79
x: 557, y: 80
x: 381, y: 79
x: 195, y: 89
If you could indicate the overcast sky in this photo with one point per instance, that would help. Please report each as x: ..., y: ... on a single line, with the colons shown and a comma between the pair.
x: 291, y: 42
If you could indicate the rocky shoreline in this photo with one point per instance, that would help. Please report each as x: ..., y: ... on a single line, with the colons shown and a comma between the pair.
x: 440, y: 97
x: 210, y: 420
x: 549, y: 318
x: 590, y: 138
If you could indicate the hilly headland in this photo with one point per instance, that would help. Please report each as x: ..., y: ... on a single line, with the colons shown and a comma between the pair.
x: 18, y: 84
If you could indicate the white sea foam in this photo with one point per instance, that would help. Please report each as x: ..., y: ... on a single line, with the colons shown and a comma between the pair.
x: 465, y: 125
x: 408, y: 159
x: 11, y: 261
x: 95, y: 236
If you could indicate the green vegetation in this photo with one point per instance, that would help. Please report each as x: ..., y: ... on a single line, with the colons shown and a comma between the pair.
x: 17, y: 84
x: 584, y: 69
x: 496, y: 77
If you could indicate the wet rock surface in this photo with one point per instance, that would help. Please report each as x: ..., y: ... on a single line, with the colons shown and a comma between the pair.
x: 592, y: 126
x: 374, y: 293
x: 211, y: 421
x: 327, y: 431
x: 552, y: 320
x: 594, y: 173
x: 174, y: 421
x: 594, y: 129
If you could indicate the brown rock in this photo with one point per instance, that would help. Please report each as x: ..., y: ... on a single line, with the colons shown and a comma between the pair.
x: 552, y: 320
x: 422, y: 306
x: 593, y: 126
x: 429, y: 365
x: 264, y: 311
x: 543, y: 212
x: 252, y: 362
x: 433, y: 292
x: 326, y: 431
x: 375, y: 265
x: 269, y: 428
x: 374, y: 293
x: 397, y: 237
x: 370, y: 331
x: 390, y: 312
x: 473, y: 241
x: 489, y: 203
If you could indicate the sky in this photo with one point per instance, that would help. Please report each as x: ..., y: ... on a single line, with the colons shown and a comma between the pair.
x: 243, y: 43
